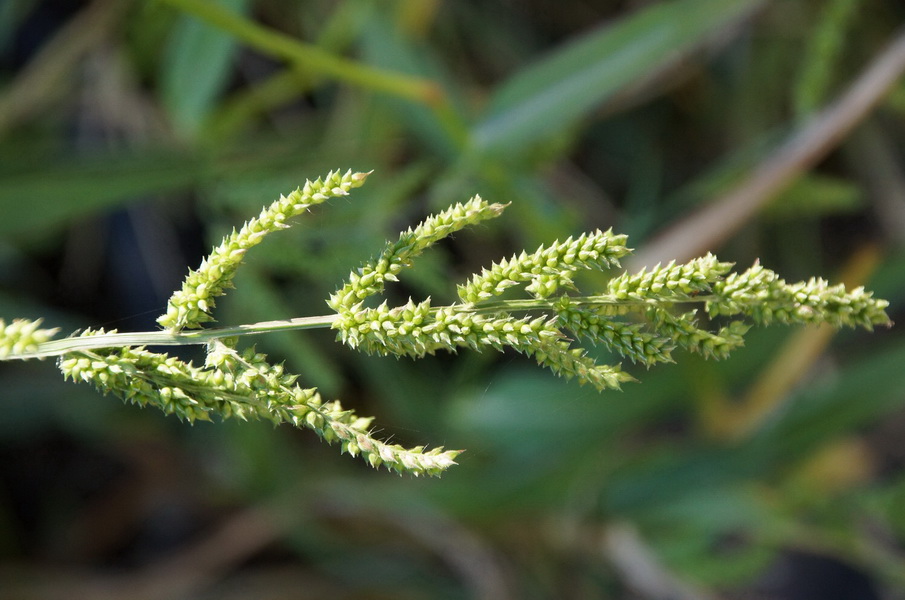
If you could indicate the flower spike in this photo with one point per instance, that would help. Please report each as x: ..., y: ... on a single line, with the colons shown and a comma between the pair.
x: 645, y: 317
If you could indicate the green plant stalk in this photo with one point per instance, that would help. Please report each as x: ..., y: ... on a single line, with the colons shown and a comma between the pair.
x: 59, y: 347
x: 310, y: 56
x: 62, y: 346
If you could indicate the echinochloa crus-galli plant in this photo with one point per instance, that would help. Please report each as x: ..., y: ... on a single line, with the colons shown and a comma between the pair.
x: 643, y: 316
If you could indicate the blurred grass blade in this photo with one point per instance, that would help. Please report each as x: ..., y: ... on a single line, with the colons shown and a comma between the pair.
x: 239, y: 111
x: 861, y: 394
x: 792, y: 361
x: 826, y: 47
x: 709, y: 227
x: 554, y: 93
x: 45, y: 78
x: 77, y: 188
x: 195, y: 69
x: 308, y: 56
x: 383, y: 44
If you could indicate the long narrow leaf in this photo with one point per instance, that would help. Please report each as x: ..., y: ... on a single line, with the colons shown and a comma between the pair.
x: 307, y: 56
x: 553, y: 93
x: 195, y: 70
x: 40, y: 199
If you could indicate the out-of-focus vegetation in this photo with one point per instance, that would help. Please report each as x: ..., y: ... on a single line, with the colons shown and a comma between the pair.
x: 133, y: 135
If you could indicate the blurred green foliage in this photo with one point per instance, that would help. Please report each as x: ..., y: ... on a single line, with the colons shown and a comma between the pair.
x: 118, y: 173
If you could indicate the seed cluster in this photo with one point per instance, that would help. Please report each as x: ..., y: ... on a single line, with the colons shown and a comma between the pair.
x: 642, y: 316
x: 191, y: 305
x: 22, y: 336
x: 548, y: 268
x: 245, y: 386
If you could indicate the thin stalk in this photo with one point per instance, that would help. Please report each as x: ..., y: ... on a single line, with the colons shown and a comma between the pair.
x: 169, y: 338
x: 203, y: 336
x: 530, y: 304
x: 310, y: 56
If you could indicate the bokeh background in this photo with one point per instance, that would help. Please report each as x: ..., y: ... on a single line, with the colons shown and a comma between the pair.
x: 134, y: 134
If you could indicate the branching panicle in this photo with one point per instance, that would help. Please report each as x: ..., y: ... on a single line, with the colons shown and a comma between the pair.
x: 641, y: 316
x: 191, y: 306
x: 683, y: 330
x: 570, y: 363
x: 676, y: 282
x: 244, y: 386
x: 760, y: 294
x: 371, y: 277
x: 628, y: 339
x: 548, y: 268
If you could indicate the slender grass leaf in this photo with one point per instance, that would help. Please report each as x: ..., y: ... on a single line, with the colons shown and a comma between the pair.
x: 858, y: 396
x: 49, y: 196
x: 552, y: 94
x: 385, y: 46
x: 75, y: 187
x: 195, y: 69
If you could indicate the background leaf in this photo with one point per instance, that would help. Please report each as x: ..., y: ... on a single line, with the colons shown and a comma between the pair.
x: 557, y: 90
x: 196, y: 68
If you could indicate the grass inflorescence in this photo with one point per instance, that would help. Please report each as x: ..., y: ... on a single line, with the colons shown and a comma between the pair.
x: 643, y: 316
